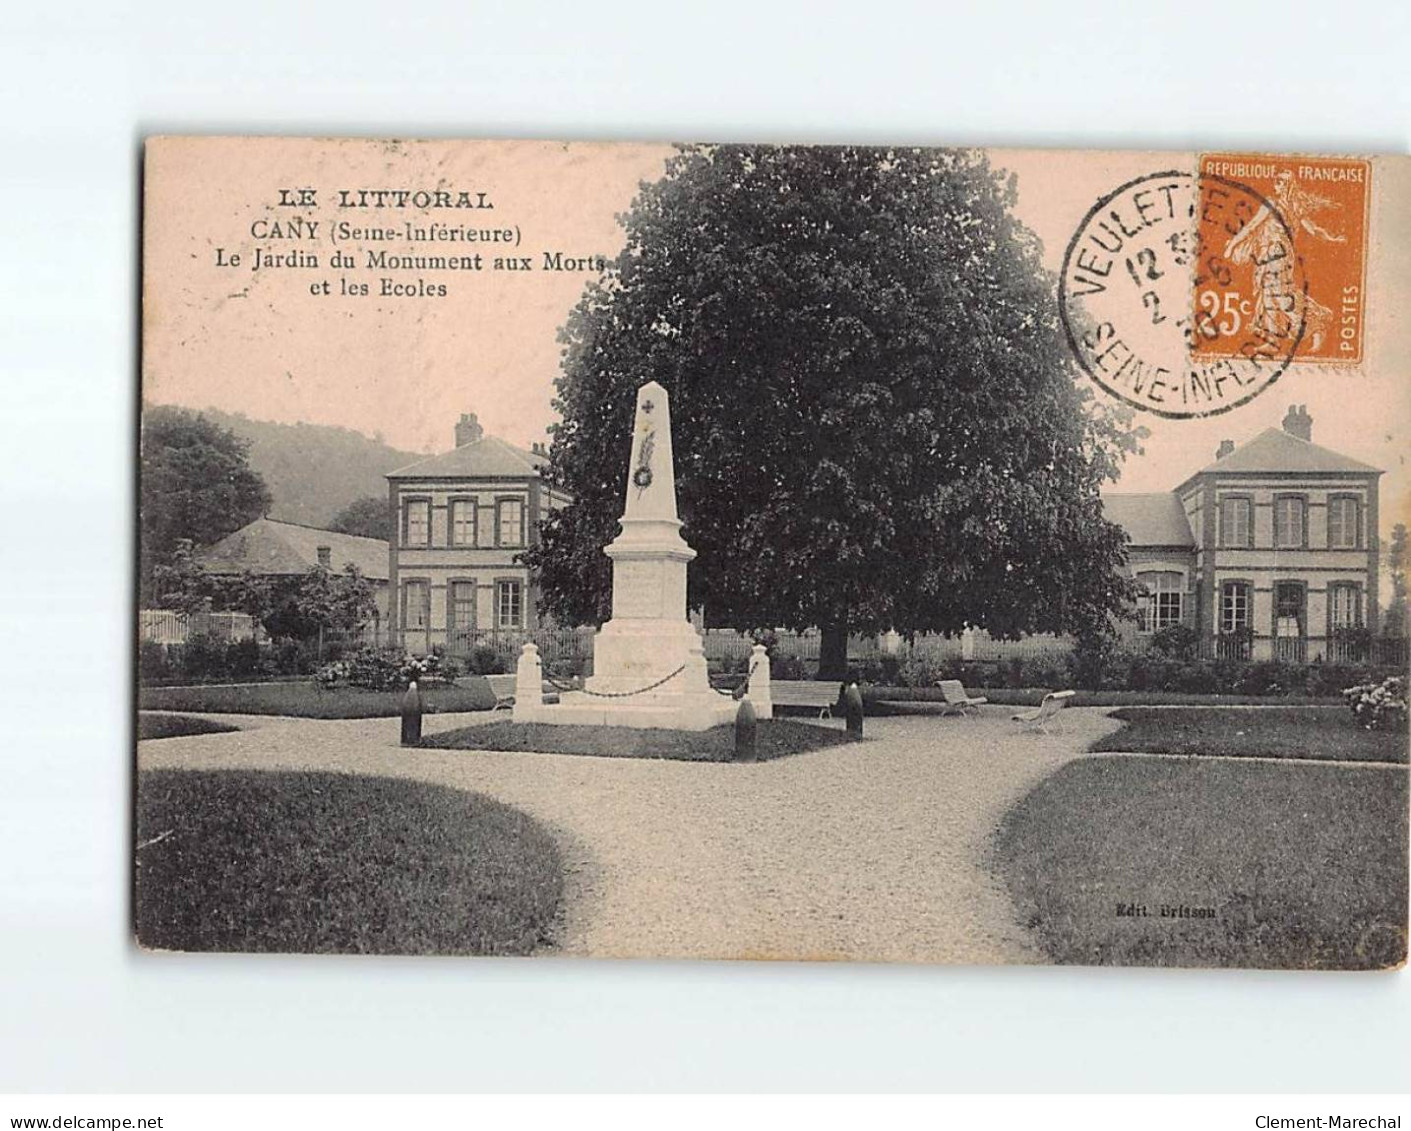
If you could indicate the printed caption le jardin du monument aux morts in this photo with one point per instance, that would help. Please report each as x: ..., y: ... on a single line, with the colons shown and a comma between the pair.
x: 762, y: 551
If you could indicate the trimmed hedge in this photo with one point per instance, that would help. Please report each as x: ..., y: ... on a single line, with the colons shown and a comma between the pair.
x: 1139, y: 671
x: 208, y: 659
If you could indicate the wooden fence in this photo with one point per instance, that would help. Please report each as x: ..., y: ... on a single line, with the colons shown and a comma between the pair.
x: 167, y: 626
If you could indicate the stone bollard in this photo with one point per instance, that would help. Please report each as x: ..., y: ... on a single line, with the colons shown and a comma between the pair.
x: 760, y: 685
x: 852, y: 707
x: 746, y: 733
x: 411, y: 715
x: 528, y: 684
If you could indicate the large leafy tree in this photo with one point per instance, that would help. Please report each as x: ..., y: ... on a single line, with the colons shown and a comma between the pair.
x: 197, y: 486
x: 876, y: 420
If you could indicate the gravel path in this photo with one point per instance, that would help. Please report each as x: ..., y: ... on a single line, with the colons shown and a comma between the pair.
x: 873, y: 851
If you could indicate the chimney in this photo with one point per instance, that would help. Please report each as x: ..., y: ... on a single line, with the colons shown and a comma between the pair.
x: 1298, y: 423
x: 537, y: 447
x: 1225, y: 448
x: 325, y: 557
x: 468, y: 430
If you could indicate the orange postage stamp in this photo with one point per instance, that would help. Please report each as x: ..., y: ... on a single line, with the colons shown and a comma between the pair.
x: 1320, y: 204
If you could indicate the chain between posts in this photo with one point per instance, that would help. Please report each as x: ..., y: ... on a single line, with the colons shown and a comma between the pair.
x: 643, y: 690
x: 615, y: 694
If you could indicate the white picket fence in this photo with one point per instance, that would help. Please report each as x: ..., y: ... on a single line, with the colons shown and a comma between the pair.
x: 167, y: 626
x: 724, y: 643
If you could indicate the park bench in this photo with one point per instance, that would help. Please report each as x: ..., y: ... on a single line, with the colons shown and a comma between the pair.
x: 957, y: 700
x: 817, y: 695
x: 1040, y: 716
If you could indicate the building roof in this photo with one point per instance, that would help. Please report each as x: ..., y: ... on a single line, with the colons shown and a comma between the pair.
x: 488, y: 457
x: 269, y: 547
x: 1277, y: 450
x: 1153, y: 519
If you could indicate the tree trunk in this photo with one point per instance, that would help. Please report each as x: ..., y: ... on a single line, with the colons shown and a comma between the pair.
x: 833, y: 652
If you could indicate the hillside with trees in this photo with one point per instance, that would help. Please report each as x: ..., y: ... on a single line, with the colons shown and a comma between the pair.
x: 313, y: 471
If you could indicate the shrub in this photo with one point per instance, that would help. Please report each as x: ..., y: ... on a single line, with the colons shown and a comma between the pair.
x: 919, y: 671
x: 1178, y: 641
x: 1093, y: 656
x: 288, y: 656
x: 448, y: 668
x: 152, y: 665
x: 1014, y: 673
x: 486, y: 660
x: 1047, y: 671
x: 243, y: 659
x: 1195, y: 678
x: 1268, y: 677
x: 868, y: 670
x: 1379, y: 706
x: 787, y: 667
x: 203, y: 657
x: 386, y: 669
x: 1332, y: 679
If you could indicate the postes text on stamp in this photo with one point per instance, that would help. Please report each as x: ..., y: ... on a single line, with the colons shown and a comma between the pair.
x: 1323, y: 202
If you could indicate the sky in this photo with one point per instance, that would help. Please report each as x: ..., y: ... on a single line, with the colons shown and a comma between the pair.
x: 259, y: 343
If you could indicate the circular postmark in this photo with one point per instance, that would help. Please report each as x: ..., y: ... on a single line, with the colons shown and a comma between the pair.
x: 1157, y: 311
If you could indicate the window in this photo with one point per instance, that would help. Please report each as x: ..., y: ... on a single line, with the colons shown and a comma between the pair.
x: 1234, y: 522
x: 1288, y: 608
x: 1345, y: 605
x: 509, y: 525
x: 1159, y: 604
x: 1342, y: 522
x: 462, y: 522
x: 416, y: 522
x: 1234, y: 606
x: 460, y: 613
x: 509, y: 604
x: 416, y: 605
x: 1288, y: 522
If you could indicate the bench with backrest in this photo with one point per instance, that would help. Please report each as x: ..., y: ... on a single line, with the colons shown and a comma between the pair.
x: 819, y: 695
x: 957, y: 700
x: 1042, y: 715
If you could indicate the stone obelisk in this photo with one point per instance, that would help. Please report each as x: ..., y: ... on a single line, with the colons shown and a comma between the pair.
x: 649, y: 666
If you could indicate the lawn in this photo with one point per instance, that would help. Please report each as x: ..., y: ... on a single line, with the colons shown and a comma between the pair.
x: 776, y: 738
x: 1300, y: 866
x: 1306, y: 732
x: 333, y: 863
x: 304, y: 700
x: 177, y: 726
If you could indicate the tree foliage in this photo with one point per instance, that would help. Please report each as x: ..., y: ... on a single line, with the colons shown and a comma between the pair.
x: 299, y: 606
x: 368, y: 517
x: 1396, y: 614
x: 875, y: 417
x: 196, y: 486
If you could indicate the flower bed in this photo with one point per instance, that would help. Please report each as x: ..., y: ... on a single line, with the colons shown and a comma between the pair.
x: 1379, y: 706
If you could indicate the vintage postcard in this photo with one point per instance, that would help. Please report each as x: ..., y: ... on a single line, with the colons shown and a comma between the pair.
x: 909, y: 554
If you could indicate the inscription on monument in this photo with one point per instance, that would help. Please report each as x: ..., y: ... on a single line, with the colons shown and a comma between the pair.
x: 636, y: 590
